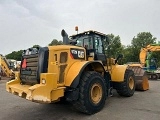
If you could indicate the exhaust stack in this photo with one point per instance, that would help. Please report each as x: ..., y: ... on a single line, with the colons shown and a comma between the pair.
x: 65, y: 37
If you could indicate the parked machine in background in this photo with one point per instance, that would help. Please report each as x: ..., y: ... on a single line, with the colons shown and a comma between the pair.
x: 149, y: 63
x: 6, y: 69
x: 14, y: 64
x: 78, y: 71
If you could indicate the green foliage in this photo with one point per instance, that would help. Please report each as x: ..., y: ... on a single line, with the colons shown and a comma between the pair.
x: 115, y: 47
x: 141, y: 40
x: 127, y: 52
x: 36, y: 46
x: 55, y: 42
x: 15, y: 55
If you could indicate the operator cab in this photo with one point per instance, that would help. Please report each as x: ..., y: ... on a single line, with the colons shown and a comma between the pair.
x: 153, y: 64
x: 93, y: 41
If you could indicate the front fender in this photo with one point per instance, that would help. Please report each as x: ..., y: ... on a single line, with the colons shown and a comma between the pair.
x: 117, y: 73
x: 74, y: 73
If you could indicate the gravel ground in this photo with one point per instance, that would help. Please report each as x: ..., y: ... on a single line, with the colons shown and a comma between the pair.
x: 141, y: 106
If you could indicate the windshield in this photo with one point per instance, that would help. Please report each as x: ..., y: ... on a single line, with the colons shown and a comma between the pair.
x: 86, y: 42
x: 91, y: 42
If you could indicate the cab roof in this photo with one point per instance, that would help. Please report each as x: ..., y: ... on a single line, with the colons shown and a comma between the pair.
x: 90, y: 32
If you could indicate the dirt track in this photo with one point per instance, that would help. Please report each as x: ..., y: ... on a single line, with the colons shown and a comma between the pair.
x: 142, y: 106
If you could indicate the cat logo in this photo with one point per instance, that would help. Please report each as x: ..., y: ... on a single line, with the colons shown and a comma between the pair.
x: 78, y: 53
x: 81, y: 54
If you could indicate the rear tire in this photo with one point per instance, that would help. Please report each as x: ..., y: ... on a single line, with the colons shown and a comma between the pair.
x: 92, y: 93
x: 126, y: 88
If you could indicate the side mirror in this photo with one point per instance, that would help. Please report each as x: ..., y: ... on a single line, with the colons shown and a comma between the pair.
x: 120, y: 56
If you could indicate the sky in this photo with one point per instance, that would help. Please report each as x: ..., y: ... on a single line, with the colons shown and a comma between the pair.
x: 24, y: 23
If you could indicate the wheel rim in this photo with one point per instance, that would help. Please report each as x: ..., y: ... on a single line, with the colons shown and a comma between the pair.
x: 96, y: 93
x: 154, y: 77
x: 131, y: 83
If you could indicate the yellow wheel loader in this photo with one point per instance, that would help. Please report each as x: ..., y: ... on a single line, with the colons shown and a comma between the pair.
x: 78, y: 71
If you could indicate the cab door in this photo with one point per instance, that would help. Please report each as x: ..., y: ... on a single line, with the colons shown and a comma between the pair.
x: 99, y: 50
x: 58, y: 63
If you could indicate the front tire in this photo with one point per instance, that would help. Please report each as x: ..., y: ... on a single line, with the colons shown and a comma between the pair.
x: 92, y: 93
x: 126, y: 88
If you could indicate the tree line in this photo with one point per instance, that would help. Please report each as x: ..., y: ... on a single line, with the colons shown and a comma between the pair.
x: 130, y: 52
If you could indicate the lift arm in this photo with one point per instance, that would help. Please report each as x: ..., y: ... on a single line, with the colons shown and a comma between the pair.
x: 144, y: 52
x: 5, y: 67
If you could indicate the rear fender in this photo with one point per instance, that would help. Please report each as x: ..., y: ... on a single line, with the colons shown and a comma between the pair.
x: 76, y: 70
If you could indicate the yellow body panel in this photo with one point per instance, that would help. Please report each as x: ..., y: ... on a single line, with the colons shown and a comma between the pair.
x: 73, y: 66
x: 117, y: 73
x: 46, y: 91
x: 63, y: 47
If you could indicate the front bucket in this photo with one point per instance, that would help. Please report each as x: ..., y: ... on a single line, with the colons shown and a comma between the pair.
x: 140, y: 77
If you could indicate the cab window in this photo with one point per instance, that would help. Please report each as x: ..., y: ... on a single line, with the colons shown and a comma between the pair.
x: 86, y: 42
x: 98, y: 45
